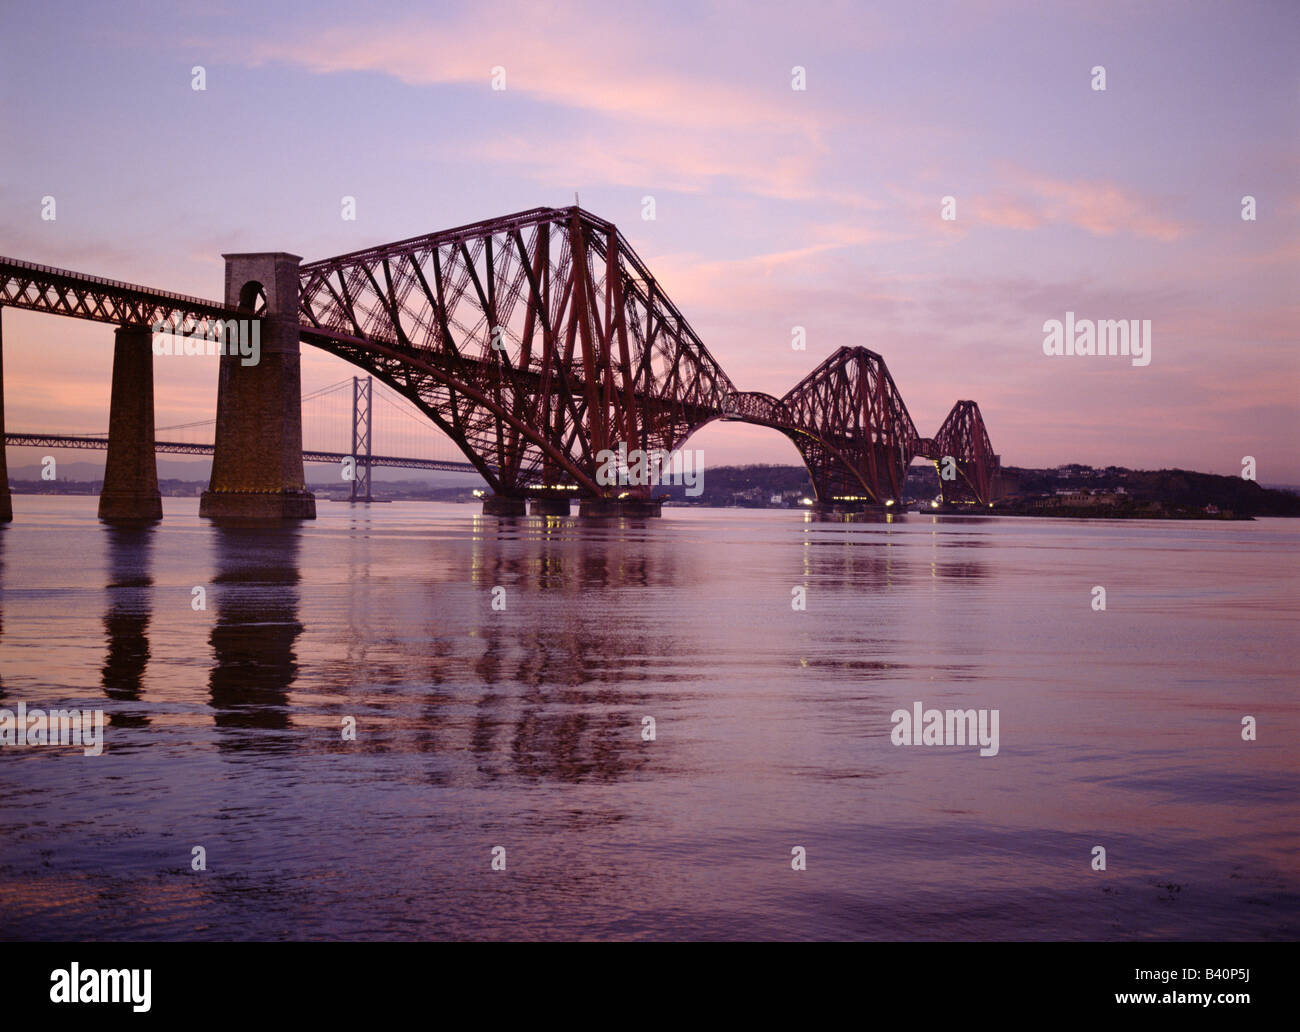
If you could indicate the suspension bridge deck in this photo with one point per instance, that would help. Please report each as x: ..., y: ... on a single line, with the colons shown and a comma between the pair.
x: 185, y: 448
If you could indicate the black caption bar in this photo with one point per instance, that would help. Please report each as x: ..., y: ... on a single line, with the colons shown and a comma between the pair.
x: 166, y: 981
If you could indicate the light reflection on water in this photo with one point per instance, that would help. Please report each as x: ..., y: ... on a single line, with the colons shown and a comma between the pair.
x: 523, y: 727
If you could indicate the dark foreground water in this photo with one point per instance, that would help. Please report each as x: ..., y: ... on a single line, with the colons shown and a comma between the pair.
x: 523, y: 728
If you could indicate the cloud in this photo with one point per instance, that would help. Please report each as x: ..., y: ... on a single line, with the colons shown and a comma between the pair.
x: 1103, y: 208
x: 1029, y: 201
x: 581, y: 58
x: 629, y: 112
x: 1006, y: 210
x: 663, y: 160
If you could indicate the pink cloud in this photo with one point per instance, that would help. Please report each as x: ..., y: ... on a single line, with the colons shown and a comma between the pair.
x: 1006, y: 211
x: 683, y: 161
x: 562, y: 55
x: 1103, y: 208
x: 659, y: 123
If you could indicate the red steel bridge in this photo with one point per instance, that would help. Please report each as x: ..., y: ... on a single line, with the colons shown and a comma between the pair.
x: 535, y: 342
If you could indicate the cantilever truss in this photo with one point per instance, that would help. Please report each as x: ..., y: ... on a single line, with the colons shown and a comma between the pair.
x: 849, y: 422
x: 857, y: 437
x: 534, y: 341
x: 977, y: 469
x: 538, y: 340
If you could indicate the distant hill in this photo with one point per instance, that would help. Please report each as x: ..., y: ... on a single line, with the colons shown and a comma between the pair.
x: 1169, y: 492
x: 1172, y: 490
x: 89, y: 469
x: 1175, y: 489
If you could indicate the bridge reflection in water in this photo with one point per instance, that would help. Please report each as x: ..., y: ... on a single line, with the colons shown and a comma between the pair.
x: 126, y: 622
x: 256, y: 625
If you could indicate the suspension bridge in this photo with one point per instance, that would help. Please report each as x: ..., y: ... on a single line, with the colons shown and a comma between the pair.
x: 536, y: 343
x: 378, y: 419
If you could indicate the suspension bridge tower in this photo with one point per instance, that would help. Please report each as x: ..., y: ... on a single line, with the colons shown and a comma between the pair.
x: 362, y: 396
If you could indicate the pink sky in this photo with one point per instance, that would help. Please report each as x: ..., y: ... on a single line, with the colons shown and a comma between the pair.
x: 774, y: 207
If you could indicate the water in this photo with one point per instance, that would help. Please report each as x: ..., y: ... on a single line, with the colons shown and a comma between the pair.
x: 523, y: 728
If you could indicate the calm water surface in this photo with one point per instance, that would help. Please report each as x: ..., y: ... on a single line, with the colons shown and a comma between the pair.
x: 523, y: 727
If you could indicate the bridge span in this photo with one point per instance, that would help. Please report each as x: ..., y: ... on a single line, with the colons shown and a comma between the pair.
x: 536, y: 342
x: 21, y: 440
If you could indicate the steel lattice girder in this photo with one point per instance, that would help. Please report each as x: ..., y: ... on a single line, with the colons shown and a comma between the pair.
x: 534, y: 341
x: 852, y: 427
x: 40, y: 288
x: 964, y: 438
x: 538, y: 339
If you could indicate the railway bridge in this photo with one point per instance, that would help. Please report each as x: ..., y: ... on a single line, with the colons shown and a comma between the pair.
x: 535, y: 342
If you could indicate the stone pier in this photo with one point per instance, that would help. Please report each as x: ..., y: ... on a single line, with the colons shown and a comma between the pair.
x: 257, y: 471
x: 130, y: 492
x: 504, y: 505
x: 854, y: 512
x: 631, y: 508
x: 549, y: 505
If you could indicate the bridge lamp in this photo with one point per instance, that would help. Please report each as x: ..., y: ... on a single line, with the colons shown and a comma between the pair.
x: 805, y: 501
x: 934, y: 505
x: 889, y: 501
x: 478, y: 493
